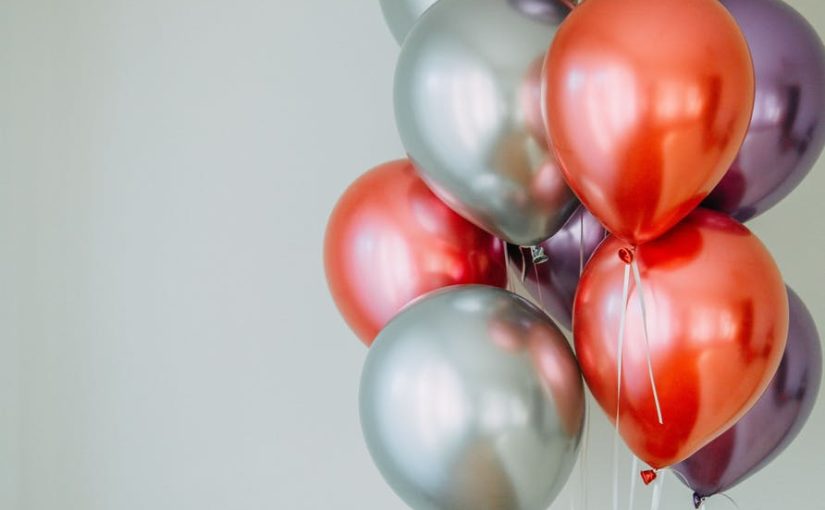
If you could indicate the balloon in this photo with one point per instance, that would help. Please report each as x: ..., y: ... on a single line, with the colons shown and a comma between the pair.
x: 717, y: 317
x: 553, y: 283
x: 401, y: 15
x: 471, y: 399
x: 787, y: 130
x: 645, y: 114
x: 390, y: 240
x: 776, y: 419
x: 464, y: 111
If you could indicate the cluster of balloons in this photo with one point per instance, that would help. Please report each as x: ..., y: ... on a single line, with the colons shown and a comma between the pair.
x: 575, y: 144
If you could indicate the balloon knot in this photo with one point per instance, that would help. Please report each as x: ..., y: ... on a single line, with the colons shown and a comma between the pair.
x: 539, y: 257
x: 626, y: 255
x: 698, y: 500
x: 649, y: 476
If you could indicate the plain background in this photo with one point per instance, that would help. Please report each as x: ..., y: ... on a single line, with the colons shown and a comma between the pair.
x: 166, y: 337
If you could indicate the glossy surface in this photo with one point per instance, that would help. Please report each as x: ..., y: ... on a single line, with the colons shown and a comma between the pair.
x: 553, y: 283
x: 773, y: 423
x: 390, y: 240
x: 401, y: 15
x: 718, y: 320
x: 467, y: 118
x: 787, y: 130
x: 472, y: 399
x: 646, y: 114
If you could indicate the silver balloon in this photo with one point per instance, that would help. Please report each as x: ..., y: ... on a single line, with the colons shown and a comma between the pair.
x: 468, y: 109
x: 401, y: 15
x: 472, y: 399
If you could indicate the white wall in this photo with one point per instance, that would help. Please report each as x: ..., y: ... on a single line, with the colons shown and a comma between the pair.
x: 166, y: 338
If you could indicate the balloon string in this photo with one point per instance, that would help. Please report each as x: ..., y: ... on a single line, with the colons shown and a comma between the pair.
x: 657, y: 491
x: 523, y: 264
x: 538, y: 284
x: 581, y: 245
x: 507, y: 265
x: 638, y: 278
x: 634, y: 474
x: 619, y: 353
x: 733, y: 502
x: 584, y: 457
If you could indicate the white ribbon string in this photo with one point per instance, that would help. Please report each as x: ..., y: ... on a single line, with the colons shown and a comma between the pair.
x: 538, y: 284
x: 619, y: 353
x: 523, y: 265
x: 634, y: 474
x: 507, y: 265
x: 638, y: 279
x: 585, y: 444
x: 656, y: 500
x: 581, y: 245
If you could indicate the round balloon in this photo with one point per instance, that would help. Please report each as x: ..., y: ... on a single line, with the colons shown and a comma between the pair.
x: 390, y: 240
x: 401, y: 15
x: 787, y: 130
x: 646, y: 115
x: 773, y: 423
x: 471, y: 398
x: 467, y: 117
x: 717, y: 318
x: 553, y: 283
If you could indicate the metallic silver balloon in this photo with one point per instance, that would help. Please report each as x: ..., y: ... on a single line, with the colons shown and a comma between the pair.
x: 401, y: 15
x: 472, y: 399
x: 468, y: 109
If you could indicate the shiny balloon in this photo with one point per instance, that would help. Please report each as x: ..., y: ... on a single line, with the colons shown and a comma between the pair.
x: 471, y: 399
x: 468, y: 120
x: 390, y: 240
x: 717, y: 317
x: 646, y: 114
x: 787, y: 130
x: 553, y: 283
x: 773, y: 423
x: 401, y: 15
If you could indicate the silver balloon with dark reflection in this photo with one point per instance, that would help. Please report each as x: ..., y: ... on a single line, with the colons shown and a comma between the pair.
x: 471, y: 399
x: 468, y: 109
x: 401, y: 15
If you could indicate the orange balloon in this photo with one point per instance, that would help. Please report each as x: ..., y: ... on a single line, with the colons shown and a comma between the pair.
x: 717, y: 316
x: 647, y: 103
x: 390, y: 240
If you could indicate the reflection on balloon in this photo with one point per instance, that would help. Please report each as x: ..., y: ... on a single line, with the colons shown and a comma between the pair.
x: 787, y: 131
x: 471, y: 398
x: 773, y: 423
x: 644, y: 119
x: 717, y: 321
x: 468, y: 113
x: 390, y: 240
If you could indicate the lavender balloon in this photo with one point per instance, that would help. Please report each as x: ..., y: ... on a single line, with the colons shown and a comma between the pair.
x: 787, y: 130
x: 553, y: 283
x: 772, y: 424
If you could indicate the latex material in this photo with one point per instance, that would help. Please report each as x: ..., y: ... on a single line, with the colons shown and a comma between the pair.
x: 401, y: 15
x: 773, y: 423
x: 646, y: 115
x: 390, y: 240
x: 467, y: 118
x: 787, y: 129
x: 717, y: 319
x: 553, y: 283
x: 472, y: 399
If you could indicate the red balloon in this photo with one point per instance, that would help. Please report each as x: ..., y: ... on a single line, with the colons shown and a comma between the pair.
x: 647, y: 103
x: 717, y: 316
x: 390, y: 240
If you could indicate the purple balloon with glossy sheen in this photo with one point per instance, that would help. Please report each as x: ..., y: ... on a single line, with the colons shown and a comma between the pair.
x: 787, y: 130
x: 554, y: 287
x: 772, y: 424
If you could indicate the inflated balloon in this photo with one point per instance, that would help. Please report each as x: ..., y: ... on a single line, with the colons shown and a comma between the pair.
x: 401, y: 15
x: 464, y: 113
x: 773, y: 423
x: 471, y: 399
x: 647, y: 103
x: 553, y: 283
x: 717, y: 318
x: 390, y: 240
x: 787, y: 131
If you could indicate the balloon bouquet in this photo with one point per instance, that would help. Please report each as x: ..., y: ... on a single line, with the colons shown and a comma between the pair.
x: 606, y: 152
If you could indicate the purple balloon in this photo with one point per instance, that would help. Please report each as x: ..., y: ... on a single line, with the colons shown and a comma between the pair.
x: 553, y: 283
x: 787, y: 130
x: 772, y: 424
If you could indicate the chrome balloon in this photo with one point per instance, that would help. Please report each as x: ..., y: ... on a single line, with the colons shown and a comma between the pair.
x: 401, y: 15
x: 471, y: 398
x: 468, y: 109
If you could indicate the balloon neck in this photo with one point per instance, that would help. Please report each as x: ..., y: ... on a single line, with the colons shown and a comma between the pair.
x: 627, y: 255
x: 698, y: 500
x: 649, y: 475
x: 538, y: 254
